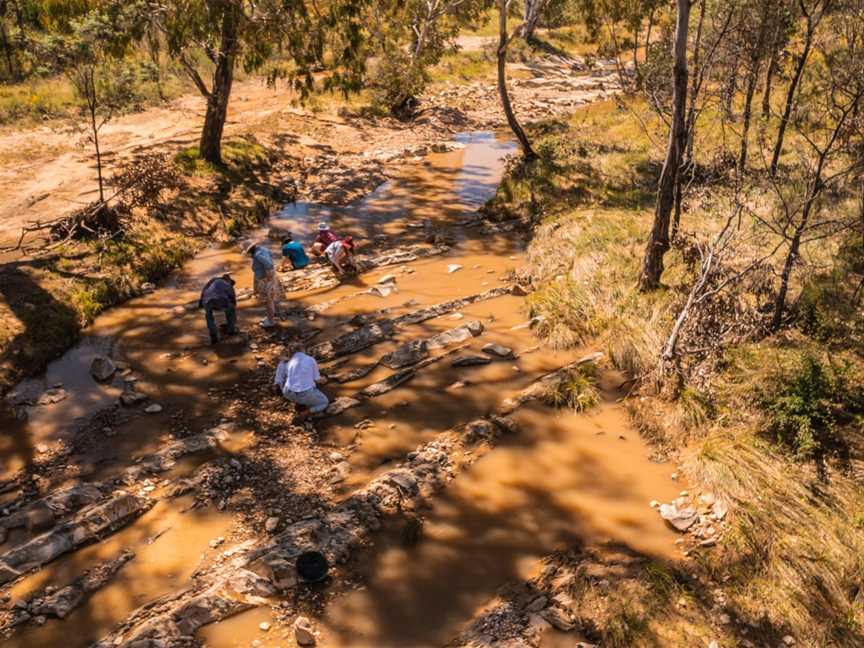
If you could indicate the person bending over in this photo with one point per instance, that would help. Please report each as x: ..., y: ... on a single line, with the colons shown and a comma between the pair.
x: 297, y: 378
x: 218, y: 295
x: 293, y: 253
x: 325, y: 237
x: 341, y: 255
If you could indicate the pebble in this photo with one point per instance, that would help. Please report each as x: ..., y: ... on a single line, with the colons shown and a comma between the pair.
x: 654, y: 504
x: 271, y: 524
x: 215, y: 542
x: 155, y: 408
x: 335, y: 456
x: 789, y: 640
x: 453, y: 267
x: 264, y: 626
x: 42, y: 448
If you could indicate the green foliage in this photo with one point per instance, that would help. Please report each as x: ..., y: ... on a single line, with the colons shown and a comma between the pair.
x: 806, y: 403
x: 576, y: 389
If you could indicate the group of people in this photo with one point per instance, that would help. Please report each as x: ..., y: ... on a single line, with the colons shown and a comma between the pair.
x: 297, y: 375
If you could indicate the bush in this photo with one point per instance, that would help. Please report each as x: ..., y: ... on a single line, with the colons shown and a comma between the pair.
x: 576, y: 389
x: 808, y: 405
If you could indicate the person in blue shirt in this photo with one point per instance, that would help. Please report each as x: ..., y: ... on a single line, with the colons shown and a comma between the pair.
x: 292, y: 251
x: 218, y: 295
x: 266, y: 284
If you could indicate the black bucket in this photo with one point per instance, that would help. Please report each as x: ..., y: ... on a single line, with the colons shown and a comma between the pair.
x: 312, y: 566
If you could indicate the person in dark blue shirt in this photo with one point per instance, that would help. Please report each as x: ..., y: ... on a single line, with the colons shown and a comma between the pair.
x: 294, y: 252
x: 218, y: 295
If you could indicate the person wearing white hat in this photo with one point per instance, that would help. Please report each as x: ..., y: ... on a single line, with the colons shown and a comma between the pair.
x: 325, y: 238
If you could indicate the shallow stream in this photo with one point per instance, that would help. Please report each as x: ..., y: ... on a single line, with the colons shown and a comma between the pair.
x: 564, y: 478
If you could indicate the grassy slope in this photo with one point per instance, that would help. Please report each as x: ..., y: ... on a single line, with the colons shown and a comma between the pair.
x: 793, y: 562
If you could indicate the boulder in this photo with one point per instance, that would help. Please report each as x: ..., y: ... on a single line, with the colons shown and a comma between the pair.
x: 497, y: 350
x: 102, y: 368
x: 470, y: 361
x: 407, y: 354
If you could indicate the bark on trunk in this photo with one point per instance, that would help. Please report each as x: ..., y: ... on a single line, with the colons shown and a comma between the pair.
x: 791, y: 258
x: 791, y: 94
x: 658, y: 243
x: 217, y: 102
x: 503, y: 41
x: 769, y: 82
x: 752, y: 80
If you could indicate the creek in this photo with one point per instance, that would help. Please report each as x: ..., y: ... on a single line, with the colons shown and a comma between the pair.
x: 563, y: 478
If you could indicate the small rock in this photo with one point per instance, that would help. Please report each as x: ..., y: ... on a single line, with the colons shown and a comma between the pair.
x: 131, y: 397
x: 789, y: 640
x: 453, y: 267
x: 681, y: 519
x: 303, y: 632
x: 42, y: 448
x: 264, y: 626
x: 384, y: 290
x: 707, y: 499
x: 335, y: 456
x: 148, y: 287
x: 497, y: 350
x: 387, y: 279
x: 271, y: 524
x: 215, y: 542
x: 102, y: 368
x: 654, y: 504
x: 537, y: 604
x: 340, y: 472
x: 719, y: 510
x: 39, y: 518
x: 155, y: 408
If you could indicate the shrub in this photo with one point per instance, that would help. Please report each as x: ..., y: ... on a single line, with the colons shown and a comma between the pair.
x: 809, y: 403
x: 576, y: 389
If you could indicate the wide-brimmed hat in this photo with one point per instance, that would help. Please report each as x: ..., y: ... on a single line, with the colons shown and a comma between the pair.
x: 323, y: 226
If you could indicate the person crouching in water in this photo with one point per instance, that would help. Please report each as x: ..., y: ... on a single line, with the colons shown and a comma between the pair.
x: 341, y: 255
x: 297, y: 378
x: 218, y: 295
x: 293, y: 254
x: 266, y: 284
x: 325, y: 237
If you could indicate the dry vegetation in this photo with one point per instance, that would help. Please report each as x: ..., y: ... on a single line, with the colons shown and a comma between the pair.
x: 772, y: 422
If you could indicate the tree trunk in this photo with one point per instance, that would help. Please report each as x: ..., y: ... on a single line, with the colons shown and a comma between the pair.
x: 791, y: 258
x: 658, y: 243
x: 729, y: 93
x: 530, y: 17
x: 790, y: 95
x: 769, y: 82
x: 217, y: 103
x: 752, y: 80
x: 503, y: 41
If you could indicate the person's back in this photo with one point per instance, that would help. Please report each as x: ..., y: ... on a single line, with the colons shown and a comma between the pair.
x: 293, y: 251
x: 262, y: 262
x: 301, y: 373
x: 218, y: 293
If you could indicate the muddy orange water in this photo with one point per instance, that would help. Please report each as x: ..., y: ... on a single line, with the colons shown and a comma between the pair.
x: 564, y: 478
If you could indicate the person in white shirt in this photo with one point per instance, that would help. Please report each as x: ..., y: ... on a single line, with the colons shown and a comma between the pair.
x: 297, y: 379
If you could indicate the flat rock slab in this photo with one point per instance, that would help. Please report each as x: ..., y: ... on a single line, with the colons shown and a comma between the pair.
x: 497, y: 350
x: 455, y: 335
x: 470, y: 361
x: 89, y: 525
x: 388, y: 384
x: 407, y: 354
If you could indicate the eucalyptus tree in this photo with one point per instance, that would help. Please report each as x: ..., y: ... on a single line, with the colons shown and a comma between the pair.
x: 306, y: 35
